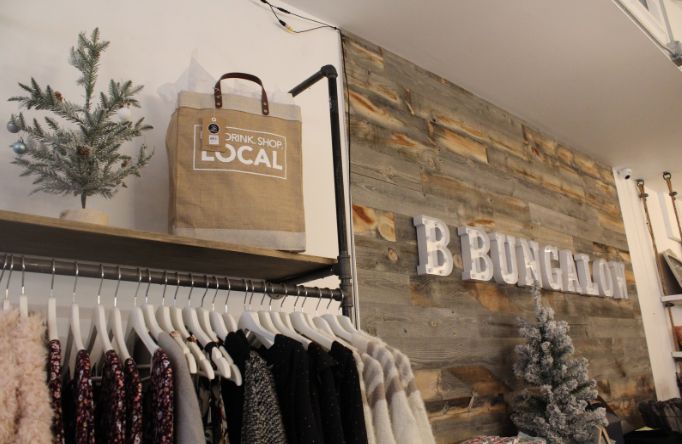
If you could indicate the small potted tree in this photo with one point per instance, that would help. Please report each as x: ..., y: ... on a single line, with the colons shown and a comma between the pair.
x: 81, y: 157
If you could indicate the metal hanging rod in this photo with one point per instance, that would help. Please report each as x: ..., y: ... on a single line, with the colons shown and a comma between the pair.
x: 111, y: 272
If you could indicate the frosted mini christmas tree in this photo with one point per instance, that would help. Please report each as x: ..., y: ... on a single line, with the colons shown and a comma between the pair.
x: 83, y: 157
x: 558, y: 388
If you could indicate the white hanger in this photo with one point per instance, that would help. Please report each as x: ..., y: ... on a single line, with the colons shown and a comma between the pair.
x: 116, y: 326
x: 203, y: 314
x: 282, y: 327
x: 23, y: 300
x: 189, y: 315
x: 137, y: 326
x: 98, y: 327
x: 176, y: 316
x: 75, y: 338
x: 301, y: 324
x: 217, y: 321
x: 264, y: 316
x: 248, y: 321
x: 319, y: 323
x: 52, y: 326
x: 336, y: 327
x: 5, y: 303
x: 148, y: 312
x: 229, y: 320
x: 163, y: 313
x: 163, y: 316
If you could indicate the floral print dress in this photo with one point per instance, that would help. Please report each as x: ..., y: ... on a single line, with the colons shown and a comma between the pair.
x: 158, y: 402
x: 54, y: 384
x: 110, y: 413
x: 133, y: 393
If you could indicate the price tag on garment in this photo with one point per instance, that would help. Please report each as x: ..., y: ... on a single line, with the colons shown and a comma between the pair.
x: 213, y: 134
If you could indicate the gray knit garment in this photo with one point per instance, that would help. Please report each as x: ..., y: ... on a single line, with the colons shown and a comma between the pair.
x: 262, y: 422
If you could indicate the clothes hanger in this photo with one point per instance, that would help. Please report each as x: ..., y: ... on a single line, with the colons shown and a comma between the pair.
x: 163, y: 317
x: 136, y: 324
x: 163, y: 313
x: 284, y: 316
x: 116, y: 326
x: 176, y: 312
x: 52, y: 326
x: 5, y: 303
x: 320, y: 323
x: 74, y: 338
x: 23, y: 299
x: 98, y: 328
x: 345, y: 321
x: 199, y: 357
x: 301, y: 324
x: 264, y: 316
x: 217, y: 321
x: 282, y: 327
x: 148, y: 312
x: 191, y: 319
x: 221, y: 330
x: 229, y: 320
x: 203, y: 314
x: 336, y: 326
x: 248, y: 321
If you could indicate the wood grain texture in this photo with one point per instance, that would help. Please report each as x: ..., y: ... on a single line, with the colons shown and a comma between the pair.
x: 421, y: 145
x: 49, y: 237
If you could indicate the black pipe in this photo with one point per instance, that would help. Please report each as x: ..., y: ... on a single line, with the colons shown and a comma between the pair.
x: 142, y: 275
x: 343, y: 269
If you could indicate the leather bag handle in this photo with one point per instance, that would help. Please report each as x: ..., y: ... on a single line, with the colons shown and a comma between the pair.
x: 218, y: 94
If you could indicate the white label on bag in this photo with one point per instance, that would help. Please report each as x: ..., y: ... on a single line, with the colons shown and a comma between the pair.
x: 245, y: 151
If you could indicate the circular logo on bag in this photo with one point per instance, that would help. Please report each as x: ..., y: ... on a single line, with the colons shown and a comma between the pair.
x: 213, y: 128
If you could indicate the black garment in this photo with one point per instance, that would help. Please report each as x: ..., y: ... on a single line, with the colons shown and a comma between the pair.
x: 290, y: 369
x: 323, y: 394
x: 349, y: 395
x: 238, y: 348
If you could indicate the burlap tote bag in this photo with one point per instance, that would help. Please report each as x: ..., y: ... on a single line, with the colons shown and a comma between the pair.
x: 248, y: 188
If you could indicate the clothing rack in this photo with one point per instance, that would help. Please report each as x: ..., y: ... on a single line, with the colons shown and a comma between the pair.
x: 29, y: 238
x: 16, y: 263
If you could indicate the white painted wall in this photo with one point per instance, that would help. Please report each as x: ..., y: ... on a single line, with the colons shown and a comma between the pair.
x: 151, y: 44
x: 654, y: 315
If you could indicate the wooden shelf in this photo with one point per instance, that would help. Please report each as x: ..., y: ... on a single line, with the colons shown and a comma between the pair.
x: 55, y: 238
x: 672, y: 298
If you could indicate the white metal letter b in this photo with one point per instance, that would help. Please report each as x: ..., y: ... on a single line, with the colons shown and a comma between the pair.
x: 433, y: 237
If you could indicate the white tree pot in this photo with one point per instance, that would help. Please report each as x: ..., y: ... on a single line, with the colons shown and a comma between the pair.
x: 86, y: 215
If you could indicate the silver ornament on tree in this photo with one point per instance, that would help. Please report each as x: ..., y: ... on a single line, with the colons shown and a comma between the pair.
x: 12, y: 127
x: 19, y: 147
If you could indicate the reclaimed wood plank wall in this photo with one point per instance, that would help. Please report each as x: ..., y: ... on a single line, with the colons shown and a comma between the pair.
x: 421, y: 145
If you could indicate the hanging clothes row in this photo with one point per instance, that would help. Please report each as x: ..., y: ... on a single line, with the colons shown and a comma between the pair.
x: 195, y: 375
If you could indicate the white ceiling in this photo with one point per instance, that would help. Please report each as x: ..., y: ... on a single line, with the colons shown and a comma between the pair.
x: 580, y: 69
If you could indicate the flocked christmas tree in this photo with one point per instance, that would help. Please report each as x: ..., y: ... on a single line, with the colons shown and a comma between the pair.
x: 558, y: 387
x: 82, y: 158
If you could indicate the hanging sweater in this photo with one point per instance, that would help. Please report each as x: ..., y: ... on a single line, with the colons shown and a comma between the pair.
x: 371, y: 435
x: 25, y: 408
x: 373, y: 376
x: 414, y: 397
x: 405, y: 429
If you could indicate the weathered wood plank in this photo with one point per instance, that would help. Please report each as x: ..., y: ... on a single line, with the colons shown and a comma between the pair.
x: 373, y: 223
x: 381, y: 287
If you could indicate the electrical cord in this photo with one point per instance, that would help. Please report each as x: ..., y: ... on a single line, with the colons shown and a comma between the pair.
x: 345, y: 74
